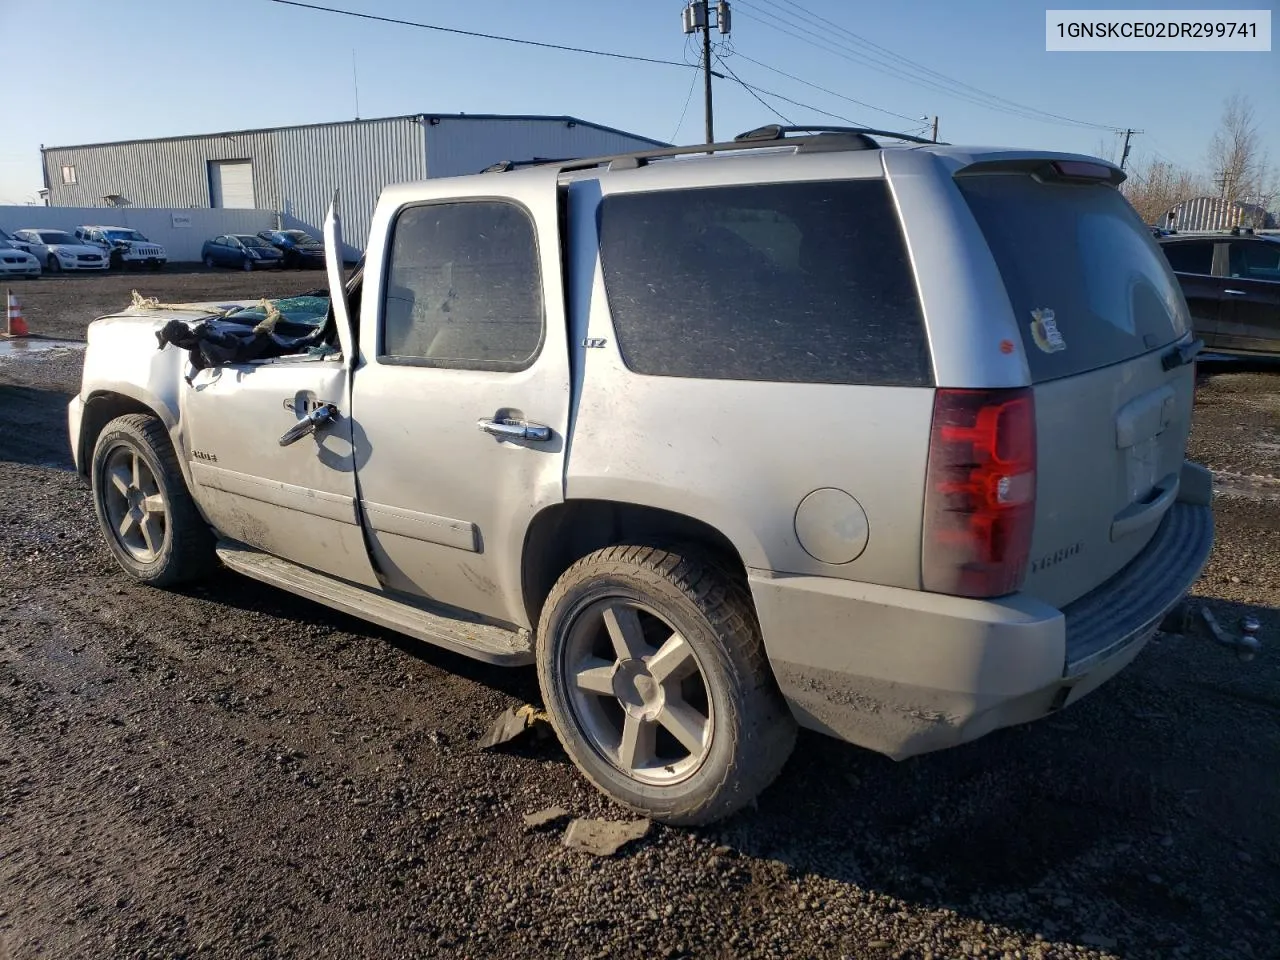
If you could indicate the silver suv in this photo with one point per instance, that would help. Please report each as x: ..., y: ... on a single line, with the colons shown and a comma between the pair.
x: 884, y: 441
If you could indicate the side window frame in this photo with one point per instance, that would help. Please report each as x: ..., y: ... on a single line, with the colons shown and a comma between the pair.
x: 1221, y: 259
x: 484, y: 366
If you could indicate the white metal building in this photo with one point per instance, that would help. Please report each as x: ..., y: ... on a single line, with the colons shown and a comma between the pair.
x: 1214, y: 213
x: 294, y: 170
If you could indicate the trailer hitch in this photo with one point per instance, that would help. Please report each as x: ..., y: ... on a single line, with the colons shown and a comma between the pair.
x: 1189, y: 619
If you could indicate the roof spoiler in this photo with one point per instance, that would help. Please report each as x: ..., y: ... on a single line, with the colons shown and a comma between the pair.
x: 1050, y: 169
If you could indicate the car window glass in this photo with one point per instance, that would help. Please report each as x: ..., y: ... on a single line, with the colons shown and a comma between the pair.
x: 783, y: 282
x: 1256, y: 260
x: 464, y: 288
x: 1189, y: 257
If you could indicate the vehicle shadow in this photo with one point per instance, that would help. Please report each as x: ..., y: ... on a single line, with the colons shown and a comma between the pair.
x: 34, y: 426
x: 1128, y: 803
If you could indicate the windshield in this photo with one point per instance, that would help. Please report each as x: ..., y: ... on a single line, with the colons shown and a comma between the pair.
x: 252, y: 241
x: 55, y: 236
x: 301, y: 237
x: 1086, y: 279
x: 133, y: 235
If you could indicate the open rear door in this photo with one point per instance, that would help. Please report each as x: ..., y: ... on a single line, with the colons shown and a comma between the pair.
x: 334, y: 267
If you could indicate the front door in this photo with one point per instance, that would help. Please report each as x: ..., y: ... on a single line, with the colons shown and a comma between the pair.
x: 1251, y: 311
x: 461, y: 396
x: 264, y: 478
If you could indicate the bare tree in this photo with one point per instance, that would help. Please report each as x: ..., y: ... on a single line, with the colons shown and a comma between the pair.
x: 1156, y: 186
x: 1241, y: 169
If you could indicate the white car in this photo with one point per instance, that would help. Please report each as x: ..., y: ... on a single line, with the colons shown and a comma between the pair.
x: 59, y: 250
x: 15, y: 262
x: 124, y: 246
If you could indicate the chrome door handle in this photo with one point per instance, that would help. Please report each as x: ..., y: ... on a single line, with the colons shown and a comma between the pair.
x: 1236, y: 293
x: 515, y: 430
x: 319, y: 417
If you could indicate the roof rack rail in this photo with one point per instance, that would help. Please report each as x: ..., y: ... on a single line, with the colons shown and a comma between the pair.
x: 818, y: 139
x: 775, y: 131
x: 502, y: 166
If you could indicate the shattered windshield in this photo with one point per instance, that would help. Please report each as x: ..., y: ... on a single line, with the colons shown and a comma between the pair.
x: 302, y: 238
x: 309, y: 311
x: 133, y: 235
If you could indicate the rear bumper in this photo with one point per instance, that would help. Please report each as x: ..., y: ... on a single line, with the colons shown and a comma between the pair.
x: 905, y: 672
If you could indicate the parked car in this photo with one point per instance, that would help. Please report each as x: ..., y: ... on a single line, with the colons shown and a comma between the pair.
x: 300, y: 249
x: 13, y: 241
x: 15, y: 262
x: 59, y: 250
x: 242, y: 250
x: 723, y: 446
x: 124, y: 246
x: 1232, y: 285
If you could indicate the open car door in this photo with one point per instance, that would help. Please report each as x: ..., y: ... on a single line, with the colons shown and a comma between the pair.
x: 272, y: 452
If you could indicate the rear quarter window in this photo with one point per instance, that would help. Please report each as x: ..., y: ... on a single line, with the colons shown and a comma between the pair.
x: 796, y: 282
x: 1079, y: 255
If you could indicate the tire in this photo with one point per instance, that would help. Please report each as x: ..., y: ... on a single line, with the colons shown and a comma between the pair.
x: 247, y: 266
x: 182, y: 549
x: 53, y: 264
x: 208, y: 260
x: 737, y: 731
x: 115, y: 260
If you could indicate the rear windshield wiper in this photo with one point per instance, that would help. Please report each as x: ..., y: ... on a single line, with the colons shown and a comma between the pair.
x: 1181, y: 355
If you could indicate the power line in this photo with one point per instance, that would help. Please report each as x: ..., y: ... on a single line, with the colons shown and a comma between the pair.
x: 746, y: 87
x: 903, y: 69
x: 841, y: 96
x: 482, y: 36
x: 797, y: 103
x: 685, y: 109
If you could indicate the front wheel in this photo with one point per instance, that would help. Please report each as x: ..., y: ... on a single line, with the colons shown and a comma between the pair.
x: 652, y: 668
x: 248, y: 265
x: 208, y: 261
x: 143, y: 506
x: 52, y: 263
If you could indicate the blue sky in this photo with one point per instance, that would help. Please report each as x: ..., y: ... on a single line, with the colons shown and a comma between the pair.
x: 91, y: 71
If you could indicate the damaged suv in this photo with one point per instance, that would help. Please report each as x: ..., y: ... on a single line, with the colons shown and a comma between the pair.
x: 881, y: 440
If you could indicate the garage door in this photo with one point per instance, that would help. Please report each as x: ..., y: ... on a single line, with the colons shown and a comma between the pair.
x: 231, y: 184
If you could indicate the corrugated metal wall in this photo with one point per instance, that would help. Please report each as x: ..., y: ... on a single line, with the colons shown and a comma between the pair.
x: 159, y: 173
x: 181, y: 243
x: 1214, y: 213
x: 296, y: 169
x: 462, y: 145
x: 359, y: 159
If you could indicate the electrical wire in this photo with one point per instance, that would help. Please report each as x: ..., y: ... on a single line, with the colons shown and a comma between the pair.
x: 905, y: 69
x: 482, y: 36
x: 777, y: 113
x: 841, y: 96
x: 685, y: 110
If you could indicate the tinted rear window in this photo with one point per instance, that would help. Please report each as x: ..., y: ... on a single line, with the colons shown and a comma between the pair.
x: 796, y: 282
x: 1080, y: 258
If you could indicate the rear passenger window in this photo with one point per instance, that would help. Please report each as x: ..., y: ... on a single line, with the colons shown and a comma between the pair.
x: 794, y: 282
x: 1190, y: 257
x: 463, y: 289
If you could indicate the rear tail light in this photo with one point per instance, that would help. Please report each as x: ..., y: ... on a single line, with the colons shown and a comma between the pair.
x: 980, y: 497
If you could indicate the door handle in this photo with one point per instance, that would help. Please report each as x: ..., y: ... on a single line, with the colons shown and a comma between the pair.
x: 515, y: 430
x: 1236, y: 293
x: 321, y: 416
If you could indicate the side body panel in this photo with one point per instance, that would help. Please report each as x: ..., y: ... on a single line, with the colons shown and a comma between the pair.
x: 739, y: 455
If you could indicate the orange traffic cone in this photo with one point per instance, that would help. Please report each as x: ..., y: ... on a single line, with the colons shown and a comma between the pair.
x: 14, y: 325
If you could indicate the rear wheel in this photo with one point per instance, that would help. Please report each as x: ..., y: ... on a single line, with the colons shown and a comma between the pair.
x: 208, y: 261
x: 655, y: 677
x: 247, y: 265
x: 146, y: 513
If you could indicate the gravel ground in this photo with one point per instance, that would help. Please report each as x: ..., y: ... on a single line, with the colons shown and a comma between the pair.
x: 230, y: 771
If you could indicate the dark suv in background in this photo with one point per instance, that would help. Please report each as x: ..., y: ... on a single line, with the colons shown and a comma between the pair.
x: 1232, y: 285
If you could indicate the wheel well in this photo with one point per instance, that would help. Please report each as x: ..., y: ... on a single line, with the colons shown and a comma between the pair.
x: 100, y: 410
x: 562, y: 535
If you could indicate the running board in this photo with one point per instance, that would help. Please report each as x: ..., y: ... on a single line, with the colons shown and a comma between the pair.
x: 481, y: 641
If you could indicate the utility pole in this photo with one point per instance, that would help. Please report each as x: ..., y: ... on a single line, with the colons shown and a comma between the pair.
x: 1124, y: 155
x: 697, y: 16
x: 935, y: 129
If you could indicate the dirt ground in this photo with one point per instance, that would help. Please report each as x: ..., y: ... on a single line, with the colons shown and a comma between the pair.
x: 229, y: 771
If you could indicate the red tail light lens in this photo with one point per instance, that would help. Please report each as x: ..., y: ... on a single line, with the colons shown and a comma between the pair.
x: 980, y: 495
